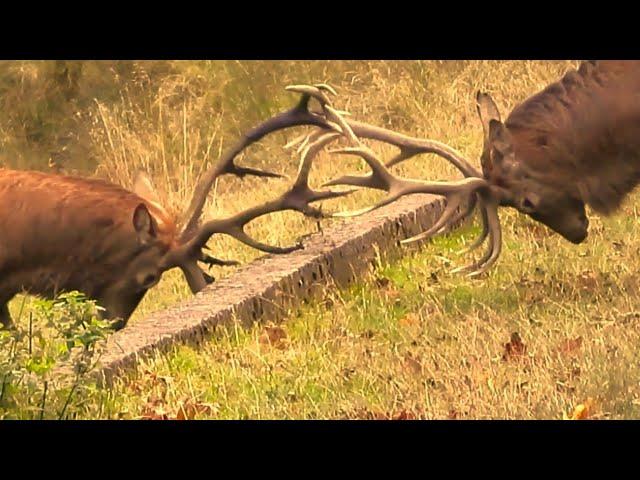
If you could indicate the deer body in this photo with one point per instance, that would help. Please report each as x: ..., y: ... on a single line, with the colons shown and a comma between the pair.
x: 575, y: 143
x: 61, y: 233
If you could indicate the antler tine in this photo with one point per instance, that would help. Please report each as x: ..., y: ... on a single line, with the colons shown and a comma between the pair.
x: 454, y: 202
x: 485, y: 227
x: 411, y: 146
x: 474, y: 187
x: 297, y: 116
x: 379, y: 179
x: 297, y: 198
x: 397, y: 187
x: 301, y: 194
x: 495, y: 240
x: 211, y: 261
x: 316, y: 91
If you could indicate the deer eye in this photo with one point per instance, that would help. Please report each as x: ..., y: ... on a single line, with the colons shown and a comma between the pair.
x: 528, y: 205
x: 149, y: 280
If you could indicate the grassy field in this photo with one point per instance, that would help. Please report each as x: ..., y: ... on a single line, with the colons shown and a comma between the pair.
x: 411, y: 340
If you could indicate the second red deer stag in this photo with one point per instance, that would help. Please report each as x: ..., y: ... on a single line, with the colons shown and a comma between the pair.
x: 575, y: 143
x: 61, y: 233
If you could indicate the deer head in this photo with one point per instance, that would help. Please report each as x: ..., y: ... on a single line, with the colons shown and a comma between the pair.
x: 537, y: 194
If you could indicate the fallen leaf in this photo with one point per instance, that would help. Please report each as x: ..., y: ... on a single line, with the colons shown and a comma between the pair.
x: 587, y: 281
x: 387, y: 288
x: 618, y: 245
x: 404, y: 415
x: 365, y: 414
x: 154, y: 410
x: 515, y: 348
x: 274, y: 336
x: 581, y: 411
x: 189, y: 409
x: 413, y: 365
x: 368, y: 334
x: 410, y: 320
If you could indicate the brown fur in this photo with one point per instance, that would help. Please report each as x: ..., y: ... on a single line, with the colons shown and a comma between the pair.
x: 582, y: 133
x: 68, y: 233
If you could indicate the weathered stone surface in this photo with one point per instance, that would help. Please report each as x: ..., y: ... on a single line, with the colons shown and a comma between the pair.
x: 269, y: 287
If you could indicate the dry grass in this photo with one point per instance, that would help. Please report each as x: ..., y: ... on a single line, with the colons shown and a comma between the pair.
x: 412, y: 340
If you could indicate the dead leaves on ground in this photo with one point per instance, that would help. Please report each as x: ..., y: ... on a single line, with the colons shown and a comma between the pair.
x: 366, y: 414
x: 410, y: 321
x: 412, y: 364
x: 187, y: 409
x: 387, y: 288
x: 273, y: 336
x: 582, y: 411
x: 159, y: 407
x: 514, y: 349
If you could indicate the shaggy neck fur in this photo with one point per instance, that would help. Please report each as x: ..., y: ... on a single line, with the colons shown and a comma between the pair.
x: 582, y: 133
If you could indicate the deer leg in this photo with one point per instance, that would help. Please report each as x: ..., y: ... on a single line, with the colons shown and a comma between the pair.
x: 5, y: 318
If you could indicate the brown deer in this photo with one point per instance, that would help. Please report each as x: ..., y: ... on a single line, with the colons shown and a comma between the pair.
x: 61, y: 233
x: 575, y: 143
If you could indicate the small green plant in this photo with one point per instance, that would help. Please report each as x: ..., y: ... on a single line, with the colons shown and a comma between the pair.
x: 45, y: 360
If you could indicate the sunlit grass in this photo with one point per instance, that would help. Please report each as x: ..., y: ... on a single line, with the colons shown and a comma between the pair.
x: 411, y: 339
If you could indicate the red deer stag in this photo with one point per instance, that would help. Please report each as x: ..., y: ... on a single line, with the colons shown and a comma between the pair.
x: 575, y: 143
x: 62, y: 233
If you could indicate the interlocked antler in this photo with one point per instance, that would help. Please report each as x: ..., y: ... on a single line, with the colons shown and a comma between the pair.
x: 297, y: 116
x: 409, y: 147
x: 474, y: 187
x: 298, y: 198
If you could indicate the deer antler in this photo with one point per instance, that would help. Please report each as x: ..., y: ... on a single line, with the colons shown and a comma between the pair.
x: 297, y: 198
x: 456, y: 192
x: 409, y: 147
x: 297, y: 116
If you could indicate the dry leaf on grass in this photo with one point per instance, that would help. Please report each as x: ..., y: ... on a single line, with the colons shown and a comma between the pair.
x: 404, y: 415
x: 366, y: 414
x: 387, y: 288
x: 412, y: 365
x: 587, y: 281
x: 154, y: 409
x: 515, y: 348
x: 581, y: 411
x: 410, y: 320
x: 188, y: 410
x: 274, y: 336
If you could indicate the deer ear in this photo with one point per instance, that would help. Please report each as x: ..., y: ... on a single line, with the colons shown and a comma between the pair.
x: 499, y: 138
x: 144, y: 224
x: 487, y: 110
x: 143, y: 187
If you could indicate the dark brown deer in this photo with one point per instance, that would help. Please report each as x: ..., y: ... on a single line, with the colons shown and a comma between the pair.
x: 61, y: 233
x: 575, y: 143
